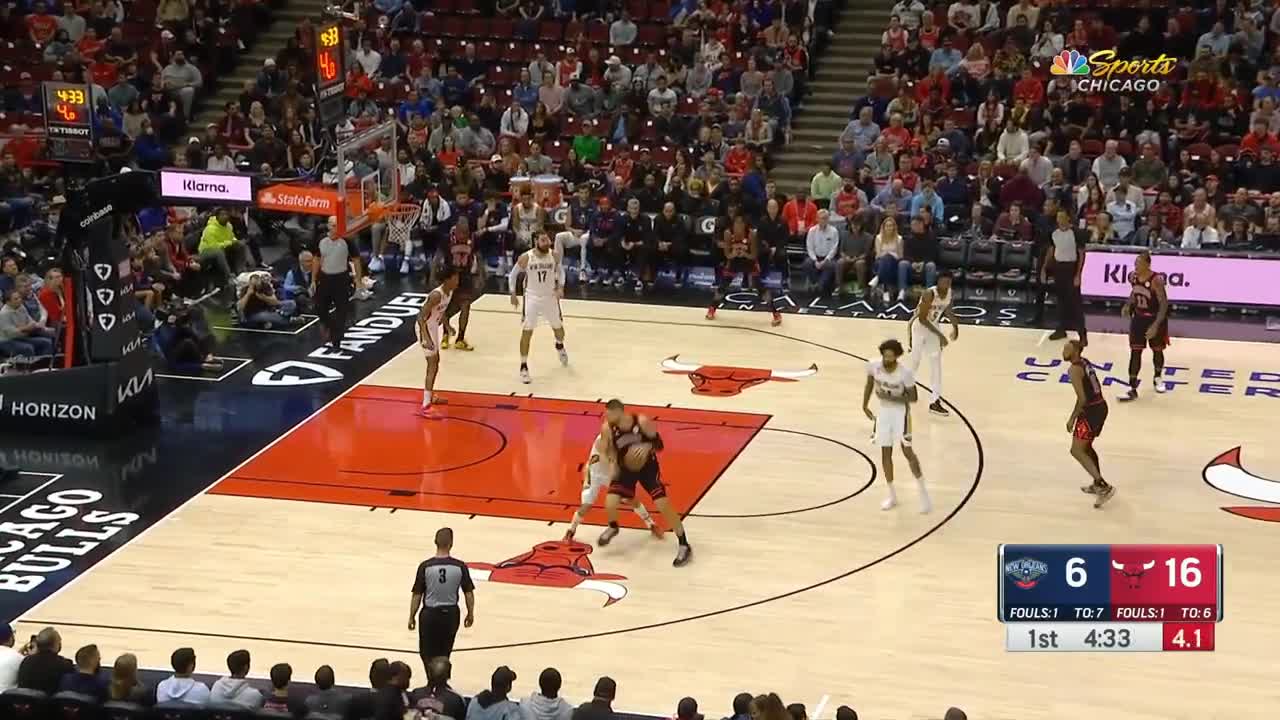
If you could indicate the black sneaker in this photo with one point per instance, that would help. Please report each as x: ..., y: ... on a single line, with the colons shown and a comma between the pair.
x: 1129, y: 396
x: 1089, y: 489
x: 1058, y: 335
x: 607, y: 536
x: 683, y: 555
x: 937, y: 409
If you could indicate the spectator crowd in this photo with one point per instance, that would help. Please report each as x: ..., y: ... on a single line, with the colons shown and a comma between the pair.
x: 37, y: 675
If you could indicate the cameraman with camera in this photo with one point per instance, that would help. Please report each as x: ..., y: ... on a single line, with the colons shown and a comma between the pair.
x: 259, y: 307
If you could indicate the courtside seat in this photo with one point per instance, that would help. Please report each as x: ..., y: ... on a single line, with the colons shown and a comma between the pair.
x: 179, y: 711
x: 982, y: 263
x: 953, y: 255
x: 23, y: 704
x: 73, y: 706
x: 116, y: 710
x: 1016, y: 273
x: 230, y: 712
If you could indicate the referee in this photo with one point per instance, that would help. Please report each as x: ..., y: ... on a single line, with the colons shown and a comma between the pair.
x: 331, y: 283
x: 435, y: 591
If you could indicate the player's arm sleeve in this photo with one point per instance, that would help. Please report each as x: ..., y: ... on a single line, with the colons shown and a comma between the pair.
x: 420, y: 580
x: 467, y: 584
x: 560, y: 273
x: 516, y: 268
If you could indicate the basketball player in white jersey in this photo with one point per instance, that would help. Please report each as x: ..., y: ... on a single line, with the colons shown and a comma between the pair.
x: 596, y: 475
x: 895, y: 385
x: 428, y: 330
x: 927, y: 338
x: 543, y: 286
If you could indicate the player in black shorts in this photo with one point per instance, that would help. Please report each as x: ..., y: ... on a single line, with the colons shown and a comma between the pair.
x: 1148, y: 313
x: 1088, y: 415
x: 639, y: 434
x: 460, y: 253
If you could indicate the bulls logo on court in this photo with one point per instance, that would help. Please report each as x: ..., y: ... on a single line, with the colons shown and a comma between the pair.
x: 1133, y: 572
x: 1225, y: 473
x: 727, y: 381
x: 553, y: 564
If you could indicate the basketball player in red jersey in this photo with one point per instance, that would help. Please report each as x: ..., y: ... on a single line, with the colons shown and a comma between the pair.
x: 633, y: 449
x: 1088, y: 415
x: 460, y: 253
x: 739, y: 247
x: 1148, y: 313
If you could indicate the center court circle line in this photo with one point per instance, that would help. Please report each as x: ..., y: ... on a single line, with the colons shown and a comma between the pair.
x: 973, y: 488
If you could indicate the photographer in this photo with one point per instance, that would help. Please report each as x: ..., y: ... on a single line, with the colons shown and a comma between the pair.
x: 184, y: 348
x: 259, y: 307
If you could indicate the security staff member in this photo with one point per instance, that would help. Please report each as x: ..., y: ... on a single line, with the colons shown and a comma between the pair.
x: 435, y: 591
x: 331, y: 283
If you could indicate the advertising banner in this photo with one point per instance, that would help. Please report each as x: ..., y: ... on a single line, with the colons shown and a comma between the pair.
x: 190, y: 187
x: 1188, y: 278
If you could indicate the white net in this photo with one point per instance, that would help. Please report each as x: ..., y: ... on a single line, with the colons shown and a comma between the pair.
x: 400, y: 220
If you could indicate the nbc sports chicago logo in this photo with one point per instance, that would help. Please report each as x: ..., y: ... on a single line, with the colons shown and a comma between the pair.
x: 1103, y: 72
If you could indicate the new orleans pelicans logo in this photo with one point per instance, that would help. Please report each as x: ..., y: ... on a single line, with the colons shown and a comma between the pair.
x: 554, y: 564
x: 1225, y: 473
x: 1025, y: 572
x: 727, y: 381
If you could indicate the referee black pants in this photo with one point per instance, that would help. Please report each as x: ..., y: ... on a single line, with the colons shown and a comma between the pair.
x: 437, y: 629
x: 333, y: 302
x: 1070, y: 304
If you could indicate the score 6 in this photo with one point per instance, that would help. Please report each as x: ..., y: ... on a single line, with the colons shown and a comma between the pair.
x: 1077, y: 576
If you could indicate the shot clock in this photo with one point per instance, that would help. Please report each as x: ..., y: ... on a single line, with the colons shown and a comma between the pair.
x: 68, y: 122
x: 331, y: 74
x: 1110, y: 598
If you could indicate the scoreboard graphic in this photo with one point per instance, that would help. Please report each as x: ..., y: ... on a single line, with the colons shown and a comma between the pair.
x: 1109, y: 598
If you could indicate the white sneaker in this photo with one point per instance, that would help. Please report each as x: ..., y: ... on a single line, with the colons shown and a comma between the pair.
x: 376, y: 265
x: 524, y: 376
x: 363, y: 294
x: 404, y: 266
x: 1160, y: 387
x: 582, y: 276
x: 902, y: 295
x: 886, y: 297
x: 564, y: 357
x: 926, y: 504
x: 889, y: 503
x: 874, y: 281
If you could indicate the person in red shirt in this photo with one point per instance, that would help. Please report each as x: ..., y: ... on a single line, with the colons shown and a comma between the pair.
x: 1169, y: 213
x: 735, y: 161
x: 51, y: 297
x: 358, y: 81
x: 906, y: 172
x: 937, y: 79
x: 1203, y: 93
x: 1258, y: 137
x: 800, y: 213
x: 90, y: 45
x: 1029, y: 88
x: 41, y: 26
x: 896, y: 135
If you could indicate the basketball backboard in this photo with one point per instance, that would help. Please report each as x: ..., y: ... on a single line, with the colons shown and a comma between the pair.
x: 366, y: 175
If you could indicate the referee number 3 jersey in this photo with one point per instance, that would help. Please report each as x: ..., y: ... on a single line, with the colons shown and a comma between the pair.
x: 439, y: 580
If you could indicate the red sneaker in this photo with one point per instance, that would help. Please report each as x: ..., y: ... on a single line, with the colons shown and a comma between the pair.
x: 777, y: 319
x: 426, y: 412
x: 711, y: 313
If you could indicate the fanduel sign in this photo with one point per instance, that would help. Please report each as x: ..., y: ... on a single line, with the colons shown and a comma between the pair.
x: 197, y: 187
x: 323, y: 365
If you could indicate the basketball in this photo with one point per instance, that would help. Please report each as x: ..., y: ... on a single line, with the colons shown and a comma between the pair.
x: 636, y: 457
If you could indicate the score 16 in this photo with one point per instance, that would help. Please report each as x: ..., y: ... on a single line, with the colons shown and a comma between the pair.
x: 1062, y: 583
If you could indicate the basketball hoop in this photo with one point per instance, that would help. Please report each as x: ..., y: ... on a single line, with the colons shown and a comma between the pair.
x: 400, y: 219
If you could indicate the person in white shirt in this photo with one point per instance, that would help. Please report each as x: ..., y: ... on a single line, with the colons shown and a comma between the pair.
x: 368, y: 58
x: 1013, y: 145
x: 662, y: 96
x: 1108, y: 165
x: 220, y: 160
x: 909, y: 12
x: 1038, y: 167
x: 1124, y: 215
x: 822, y: 244
x: 515, y: 121
x: 10, y: 659
x: 895, y: 385
x: 1199, y: 233
x: 181, y: 687
x: 623, y: 31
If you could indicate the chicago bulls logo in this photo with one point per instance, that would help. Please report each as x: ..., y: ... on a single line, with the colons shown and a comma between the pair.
x: 1225, y: 473
x: 553, y: 564
x: 726, y: 381
x: 1133, y: 572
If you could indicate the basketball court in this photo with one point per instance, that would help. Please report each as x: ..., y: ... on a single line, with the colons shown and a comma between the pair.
x: 800, y: 583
